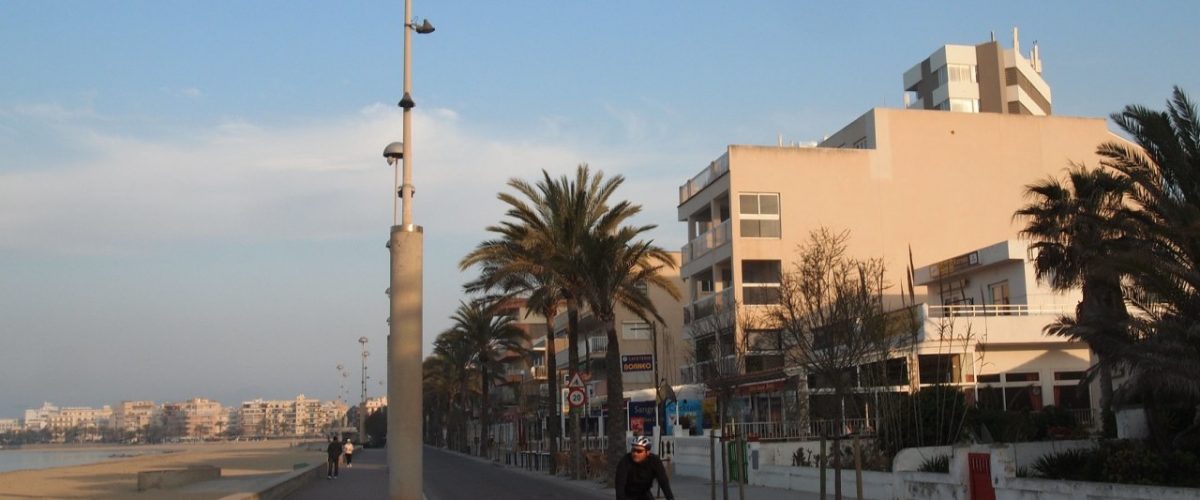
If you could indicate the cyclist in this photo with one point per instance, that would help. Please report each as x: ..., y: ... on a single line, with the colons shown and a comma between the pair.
x: 637, y: 472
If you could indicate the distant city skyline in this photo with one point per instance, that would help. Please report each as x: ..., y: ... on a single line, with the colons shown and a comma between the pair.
x: 193, y: 200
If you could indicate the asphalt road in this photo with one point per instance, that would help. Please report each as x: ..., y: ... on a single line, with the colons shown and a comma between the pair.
x: 450, y: 476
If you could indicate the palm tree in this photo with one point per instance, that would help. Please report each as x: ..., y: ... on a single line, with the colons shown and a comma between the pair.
x: 489, y: 337
x: 617, y: 269
x: 451, y: 357
x: 1076, y: 230
x: 537, y: 250
x: 1164, y: 170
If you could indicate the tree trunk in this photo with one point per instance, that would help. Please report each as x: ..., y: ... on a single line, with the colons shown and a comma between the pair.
x: 552, y: 386
x: 573, y: 361
x: 615, y: 423
x: 483, y: 412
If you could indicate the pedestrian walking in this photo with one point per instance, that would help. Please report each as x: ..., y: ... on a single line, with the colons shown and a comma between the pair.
x: 637, y: 471
x: 348, y: 452
x: 334, y: 452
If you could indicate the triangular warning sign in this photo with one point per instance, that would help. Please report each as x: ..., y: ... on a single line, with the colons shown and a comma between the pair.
x: 575, y: 381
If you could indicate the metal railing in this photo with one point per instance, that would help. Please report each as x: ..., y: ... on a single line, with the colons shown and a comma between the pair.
x: 1087, y: 417
x: 781, y: 431
x: 970, y: 310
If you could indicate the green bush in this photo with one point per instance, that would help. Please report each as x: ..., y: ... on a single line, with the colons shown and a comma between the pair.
x: 1071, y: 464
x: 1125, y: 462
x: 936, y: 463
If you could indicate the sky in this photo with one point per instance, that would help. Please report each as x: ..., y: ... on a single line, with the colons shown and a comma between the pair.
x: 193, y: 201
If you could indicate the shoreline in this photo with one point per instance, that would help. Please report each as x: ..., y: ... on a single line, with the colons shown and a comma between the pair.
x: 117, y: 477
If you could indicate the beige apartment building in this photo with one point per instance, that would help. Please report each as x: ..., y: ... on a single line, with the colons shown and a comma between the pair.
x: 135, y: 416
x: 645, y: 346
x: 295, y: 417
x: 942, y: 183
x: 984, y: 78
x: 196, y: 418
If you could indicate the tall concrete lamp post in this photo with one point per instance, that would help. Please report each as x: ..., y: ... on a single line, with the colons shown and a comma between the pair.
x: 406, y: 246
x: 362, y: 400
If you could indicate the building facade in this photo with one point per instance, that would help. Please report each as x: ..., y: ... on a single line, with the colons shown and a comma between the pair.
x: 908, y: 185
x: 984, y: 78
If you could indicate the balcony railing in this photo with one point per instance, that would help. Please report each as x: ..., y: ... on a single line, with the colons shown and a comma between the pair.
x: 538, y: 372
x: 710, y: 173
x: 706, y: 306
x: 971, y: 310
x: 713, y: 238
x: 593, y: 345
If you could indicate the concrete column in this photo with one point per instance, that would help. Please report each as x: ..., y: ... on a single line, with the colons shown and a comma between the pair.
x: 404, y: 365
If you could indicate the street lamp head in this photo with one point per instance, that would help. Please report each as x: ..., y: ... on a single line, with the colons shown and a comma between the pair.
x: 362, y: 340
x: 394, y: 152
x: 422, y: 29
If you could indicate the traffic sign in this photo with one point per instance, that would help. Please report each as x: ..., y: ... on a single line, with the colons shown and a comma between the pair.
x: 576, y: 382
x: 577, y: 397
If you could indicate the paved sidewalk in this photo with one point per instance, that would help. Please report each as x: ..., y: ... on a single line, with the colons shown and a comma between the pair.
x: 684, y: 487
x: 368, y: 480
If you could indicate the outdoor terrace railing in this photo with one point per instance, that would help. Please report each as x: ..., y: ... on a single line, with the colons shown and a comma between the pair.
x: 782, y: 431
x: 710, y: 173
x: 715, y: 237
x: 971, y: 310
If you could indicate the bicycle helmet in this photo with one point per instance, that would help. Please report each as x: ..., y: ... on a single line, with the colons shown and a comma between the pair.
x: 642, y: 441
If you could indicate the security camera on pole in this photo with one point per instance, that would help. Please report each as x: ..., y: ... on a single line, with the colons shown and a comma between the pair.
x: 406, y: 246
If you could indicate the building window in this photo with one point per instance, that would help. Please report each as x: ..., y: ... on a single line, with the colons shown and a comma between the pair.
x: 964, y: 105
x: 999, y: 293
x: 759, y: 215
x: 965, y: 73
x: 939, y: 368
x: 635, y: 330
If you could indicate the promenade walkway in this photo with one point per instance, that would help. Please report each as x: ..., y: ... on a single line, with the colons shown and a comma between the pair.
x: 451, y: 476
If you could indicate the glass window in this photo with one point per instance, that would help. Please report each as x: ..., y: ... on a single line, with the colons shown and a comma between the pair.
x: 635, y: 330
x: 1068, y: 375
x: 1021, y: 377
x: 749, y: 203
x: 962, y: 73
x: 768, y: 204
x: 760, y: 215
x: 964, y: 105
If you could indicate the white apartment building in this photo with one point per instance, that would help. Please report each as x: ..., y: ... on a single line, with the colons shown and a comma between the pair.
x: 37, y: 418
x: 983, y: 78
x: 9, y: 425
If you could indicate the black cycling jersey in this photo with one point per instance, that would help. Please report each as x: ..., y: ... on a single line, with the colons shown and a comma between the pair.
x: 634, y: 480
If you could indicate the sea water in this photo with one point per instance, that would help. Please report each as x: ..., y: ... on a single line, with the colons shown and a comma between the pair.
x: 27, y: 459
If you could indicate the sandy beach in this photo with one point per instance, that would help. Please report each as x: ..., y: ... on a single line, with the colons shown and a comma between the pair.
x: 241, y: 464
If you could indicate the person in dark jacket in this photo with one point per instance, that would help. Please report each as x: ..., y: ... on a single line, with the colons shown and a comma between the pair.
x: 334, y: 452
x: 637, y: 471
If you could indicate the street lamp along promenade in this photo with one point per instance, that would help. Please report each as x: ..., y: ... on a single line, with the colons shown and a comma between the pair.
x: 362, y: 408
x: 406, y: 249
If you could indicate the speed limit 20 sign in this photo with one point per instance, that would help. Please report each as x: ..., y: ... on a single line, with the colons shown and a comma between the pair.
x: 577, y: 397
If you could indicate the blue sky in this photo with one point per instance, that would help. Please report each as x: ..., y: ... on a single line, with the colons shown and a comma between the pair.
x: 193, y: 202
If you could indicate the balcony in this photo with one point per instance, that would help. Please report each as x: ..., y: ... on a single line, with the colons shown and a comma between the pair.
x: 538, y: 372
x: 971, y: 310
x: 701, y: 245
x: 596, y: 346
x: 706, y: 176
x: 705, y: 307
